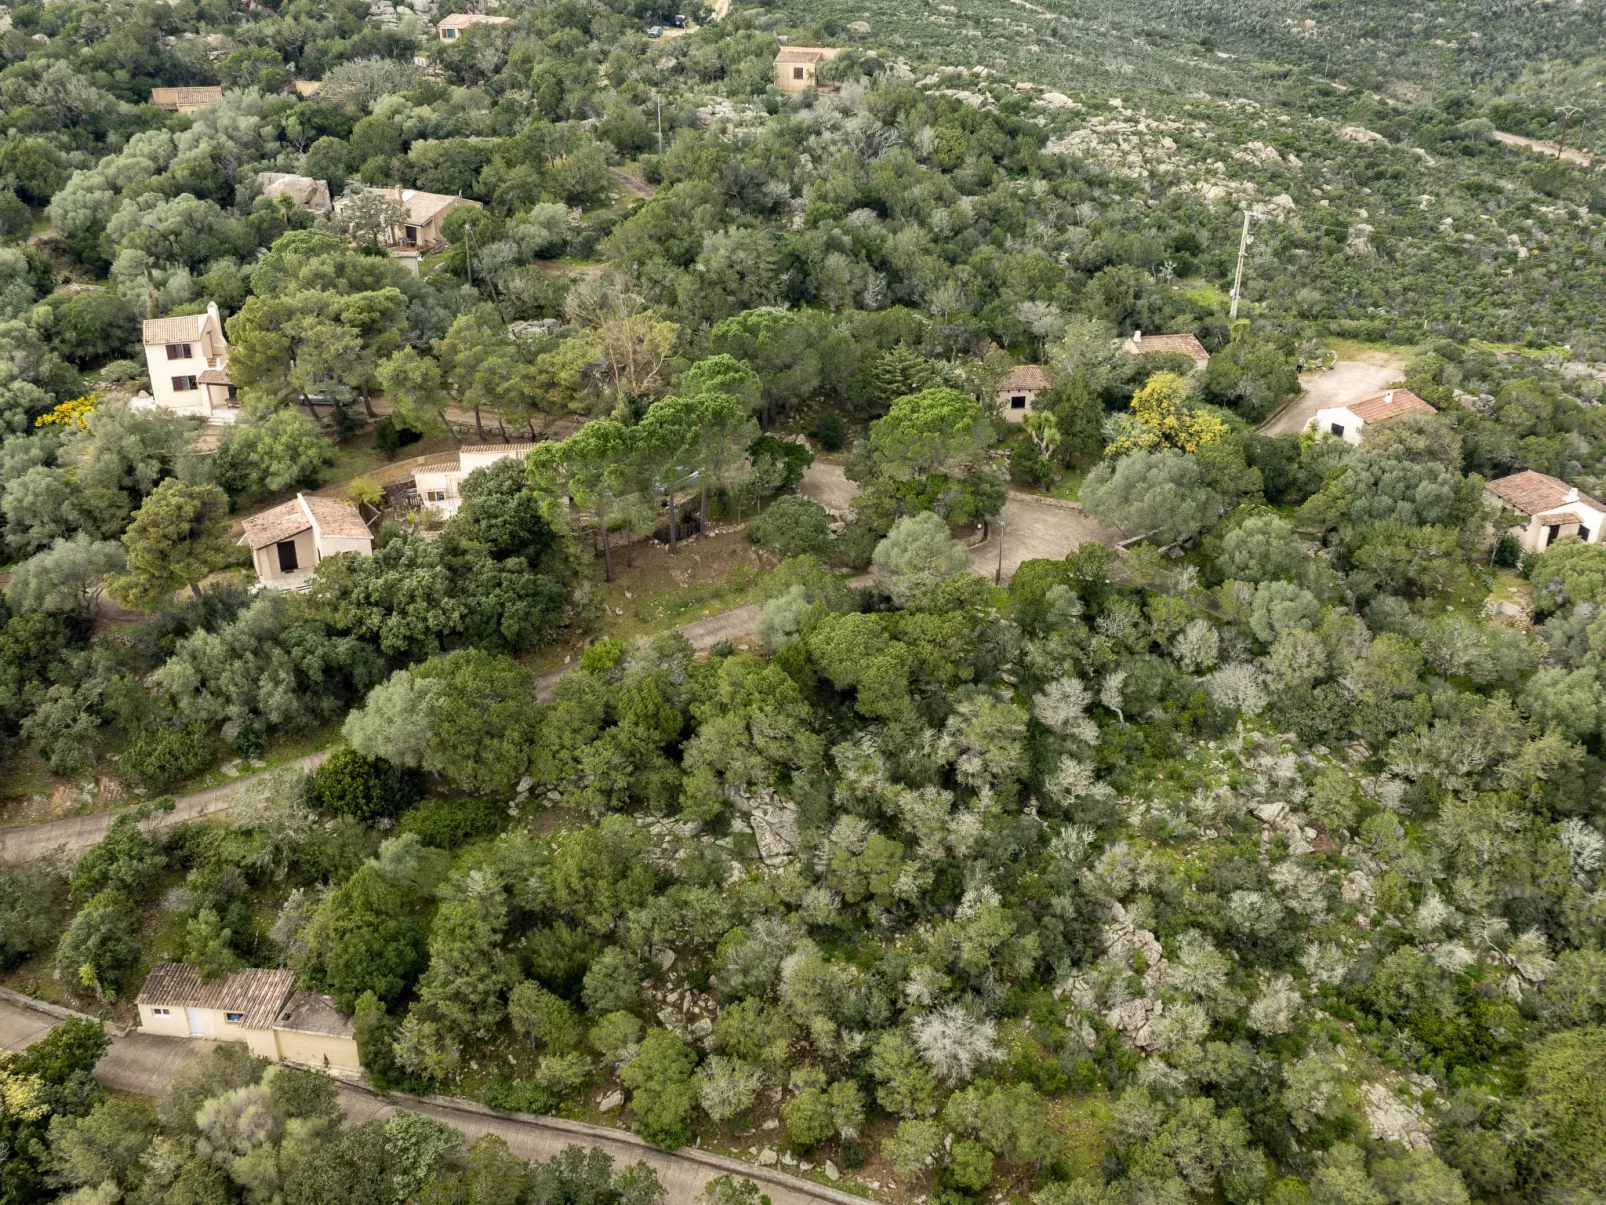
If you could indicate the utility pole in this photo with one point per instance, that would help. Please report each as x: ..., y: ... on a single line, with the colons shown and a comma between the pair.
x: 1568, y: 112
x: 468, y: 251
x: 998, y: 577
x: 659, y: 101
x: 1238, y: 277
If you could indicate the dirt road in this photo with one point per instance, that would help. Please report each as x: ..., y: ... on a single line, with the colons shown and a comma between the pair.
x: 1036, y: 529
x: 145, y: 1064
x: 30, y: 842
x: 1034, y: 526
x: 1346, y: 381
x: 1544, y: 148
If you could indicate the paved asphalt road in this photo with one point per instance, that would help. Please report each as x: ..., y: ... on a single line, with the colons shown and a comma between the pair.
x: 30, y: 842
x: 145, y: 1064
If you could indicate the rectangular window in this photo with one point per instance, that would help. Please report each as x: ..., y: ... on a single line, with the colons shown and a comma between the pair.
x: 184, y: 384
x: 450, y: 34
x: 411, y: 233
x: 435, y: 496
x: 1017, y: 403
x: 1583, y: 534
x: 159, y: 1012
x: 1338, y: 430
x: 178, y: 351
x: 797, y: 73
x: 1551, y: 533
x: 234, y: 1018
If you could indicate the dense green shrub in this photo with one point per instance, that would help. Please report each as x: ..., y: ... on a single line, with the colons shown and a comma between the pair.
x: 829, y: 431
x: 449, y: 823
x: 366, y: 788
x: 793, y: 527
x: 158, y: 758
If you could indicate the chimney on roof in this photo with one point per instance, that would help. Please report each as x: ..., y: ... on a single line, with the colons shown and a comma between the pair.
x: 1389, y: 396
x: 1571, y: 495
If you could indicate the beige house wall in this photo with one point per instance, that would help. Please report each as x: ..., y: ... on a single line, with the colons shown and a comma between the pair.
x: 174, y: 1025
x: 317, y: 1049
x: 266, y: 559
x: 1340, y: 416
x: 334, y: 545
x: 208, y: 350
x: 1006, y: 404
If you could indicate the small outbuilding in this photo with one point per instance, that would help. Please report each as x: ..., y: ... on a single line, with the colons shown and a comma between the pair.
x: 797, y: 68
x: 1550, y: 508
x: 288, y: 541
x: 453, y: 27
x: 258, y: 1007
x: 186, y: 100
x: 1349, y: 421
x: 1182, y: 345
x: 1017, y: 393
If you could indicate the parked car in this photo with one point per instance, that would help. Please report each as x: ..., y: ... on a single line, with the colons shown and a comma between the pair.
x: 679, y: 21
x: 657, y: 31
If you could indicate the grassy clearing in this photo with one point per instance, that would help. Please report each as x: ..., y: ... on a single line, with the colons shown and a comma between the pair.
x: 659, y: 591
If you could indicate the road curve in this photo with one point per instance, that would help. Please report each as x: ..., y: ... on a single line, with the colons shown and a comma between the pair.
x: 30, y: 842
x: 145, y: 1064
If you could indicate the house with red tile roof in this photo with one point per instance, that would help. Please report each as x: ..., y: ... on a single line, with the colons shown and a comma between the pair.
x: 288, y: 541
x: 1349, y: 421
x: 1017, y: 393
x: 1182, y: 345
x: 1549, y: 507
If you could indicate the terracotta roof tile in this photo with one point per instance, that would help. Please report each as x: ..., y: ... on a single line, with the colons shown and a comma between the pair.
x: 805, y: 54
x: 257, y: 994
x: 215, y: 376
x: 1026, y: 376
x: 444, y: 462
x: 1187, y: 345
x: 1534, y: 493
x: 464, y: 20
x: 1381, y: 407
x: 335, y: 518
x: 271, y: 526
x: 510, y: 449
x: 183, y: 329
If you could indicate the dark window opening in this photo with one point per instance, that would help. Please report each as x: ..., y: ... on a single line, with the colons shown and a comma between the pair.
x: 1552, y: 533
x: 184, y: 384
x: 1338, y: 430
x: 1017, y: 403
x: 287, y: 557
x: 178, y: 351
x: 797, y: 73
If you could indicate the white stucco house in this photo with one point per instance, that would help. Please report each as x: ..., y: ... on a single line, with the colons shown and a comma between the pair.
x: 420, y: 219
x: 439, y: 479
x: 1349, y: 421
x: 288, y: 541
x: 1550, y: 509
x: 797, y: 68
x: 1017, y: 393
x: 258, y: 1007
x: 188, y: 361
x: 1183, y: 345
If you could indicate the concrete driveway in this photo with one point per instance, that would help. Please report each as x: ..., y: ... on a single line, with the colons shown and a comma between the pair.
x: 1346, y: 381
x: 145, y: 1064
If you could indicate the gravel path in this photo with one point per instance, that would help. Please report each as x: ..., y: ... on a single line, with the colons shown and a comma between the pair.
x: 145, y: 1064
x: 30, y: 842
x: 1346, y: 381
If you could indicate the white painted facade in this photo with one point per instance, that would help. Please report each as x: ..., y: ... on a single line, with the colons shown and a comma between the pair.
x: 188, y: 361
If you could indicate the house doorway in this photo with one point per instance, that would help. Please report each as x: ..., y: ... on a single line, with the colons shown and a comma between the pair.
x: 197, y: 1021
x: 287, y: 556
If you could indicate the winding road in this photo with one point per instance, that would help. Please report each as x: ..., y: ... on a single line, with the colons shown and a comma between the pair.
x: 145, y: 1064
